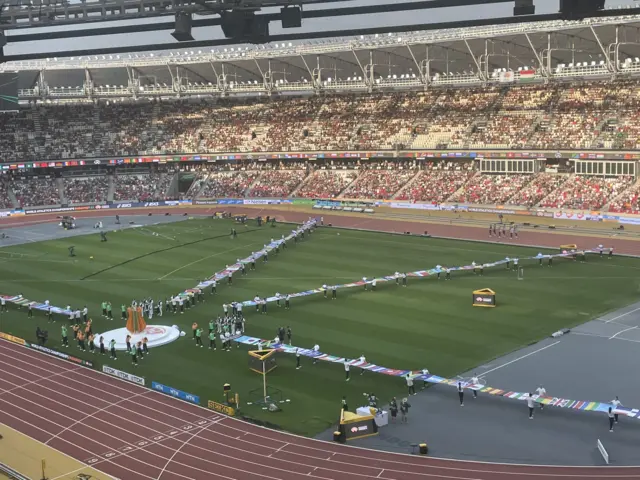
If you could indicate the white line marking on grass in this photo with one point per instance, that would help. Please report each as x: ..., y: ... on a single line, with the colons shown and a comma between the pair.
x: 622, y: 331
x: 519, y: 358
x: 204, y: 258
x: 622, y: 315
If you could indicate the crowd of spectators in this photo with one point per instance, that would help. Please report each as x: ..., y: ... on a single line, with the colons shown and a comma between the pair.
x: 86, y: 189
x: 582, y: 192
x: 437, y: 182
x: 34, y: 191
x: 490, y: 189
x: 326, y: 183
x: 277, y: 183
x: 228, y: 184
x: 540, y: 186
x: 380, y: 181
x: 137, y: 188
x: 628, y: 201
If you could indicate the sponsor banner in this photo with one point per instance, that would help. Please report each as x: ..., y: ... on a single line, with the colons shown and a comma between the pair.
x: 494, y: 210
x: 629, y: 220
x: 221, y: 408
x: 105, y: 207
x: 230, y: 201
x: 55, y: 210
x: 176, y: 393
x: 64, y: 356
x: 414, y: 206
x: 12, y: 339
x: 577, y: 216
x: 123, y: 375
x: 303, y: 201
x: 125, y: 205
x: 205, y: 202
x: 266, y: 201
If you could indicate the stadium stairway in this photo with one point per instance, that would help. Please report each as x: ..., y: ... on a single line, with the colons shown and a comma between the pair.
x: 12, y: 196
x: 304, y: 180
x: 464, y: 185
x: 605, y: 208
x: 247, y: 192
x: 60, y: 185
x: 408, y: 184
x: 112, y: 188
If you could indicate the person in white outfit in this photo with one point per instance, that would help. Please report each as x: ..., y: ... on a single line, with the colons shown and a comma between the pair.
x: 531, y: 404
x: 541, y: 393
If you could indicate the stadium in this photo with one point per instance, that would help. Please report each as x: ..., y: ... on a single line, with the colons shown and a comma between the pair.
x: 258, y: 260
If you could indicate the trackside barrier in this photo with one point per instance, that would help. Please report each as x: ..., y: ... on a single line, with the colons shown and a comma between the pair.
x: 174, y: 392
x: 221, y: 408
x: 123, y: 375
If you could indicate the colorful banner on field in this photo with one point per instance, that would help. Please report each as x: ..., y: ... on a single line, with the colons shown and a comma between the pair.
x: 425, y: 376
x: 439, y: 269
x: 254, y: 257
x: 25, y: 302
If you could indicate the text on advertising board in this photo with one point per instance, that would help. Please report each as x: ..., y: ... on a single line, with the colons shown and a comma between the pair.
x: 221, y: 408
x: 123, y: 375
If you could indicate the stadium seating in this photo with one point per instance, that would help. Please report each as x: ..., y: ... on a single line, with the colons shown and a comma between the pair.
x: 32, y: 192
x: 436, y: 185
x: 380, y: 181
x: 86, y: 189
x: 326, y: 183
x: 586, y: 193
x: 581, y: 115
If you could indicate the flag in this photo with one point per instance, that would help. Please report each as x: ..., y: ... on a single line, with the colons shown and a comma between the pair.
x: 527, y: 76
x: 507, y: 77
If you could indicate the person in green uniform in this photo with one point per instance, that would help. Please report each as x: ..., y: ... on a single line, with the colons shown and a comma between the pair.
x: 212, y: 325
x: 109, y: 312
x: 212, y: 339
x: 199, y: 337
x: 123, y: 311
x: 134, y: 355
x: 112, y: 349
x: 104, y: 309
x: 65, y: 338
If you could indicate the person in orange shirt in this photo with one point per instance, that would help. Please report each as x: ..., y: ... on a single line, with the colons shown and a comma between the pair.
x: 87, y: 328
x: 145, y: 349
x: 92, y: 345
x: 194, y: 327
x: 76, y: 329
x: 81, y: 345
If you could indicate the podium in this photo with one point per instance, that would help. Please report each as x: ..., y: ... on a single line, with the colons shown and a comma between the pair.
x: 484, y: 297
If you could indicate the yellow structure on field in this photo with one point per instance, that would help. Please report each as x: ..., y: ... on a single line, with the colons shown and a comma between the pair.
x: 484, y: 297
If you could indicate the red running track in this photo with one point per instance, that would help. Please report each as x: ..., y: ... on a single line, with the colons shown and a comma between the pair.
x: 132, y: 432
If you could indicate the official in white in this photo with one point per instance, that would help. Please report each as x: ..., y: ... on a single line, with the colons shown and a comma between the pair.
x: 531, y: 404
x: 475, y: 380
x: 346, y: 370
x: 616, y: 403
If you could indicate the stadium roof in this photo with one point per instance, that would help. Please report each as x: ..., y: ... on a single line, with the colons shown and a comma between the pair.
x: 566, y: 49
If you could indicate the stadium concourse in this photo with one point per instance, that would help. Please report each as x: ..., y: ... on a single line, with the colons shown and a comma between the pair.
x: 128, y: 431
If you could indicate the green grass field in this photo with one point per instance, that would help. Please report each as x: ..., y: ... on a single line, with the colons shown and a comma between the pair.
x: 431, y: 324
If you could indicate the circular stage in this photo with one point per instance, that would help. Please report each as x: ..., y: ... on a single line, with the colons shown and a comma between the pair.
x: 157, y: 335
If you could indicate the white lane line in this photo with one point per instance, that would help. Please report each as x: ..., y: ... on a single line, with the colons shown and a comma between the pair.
x: 622, y: 315
x: 520, y: 358
x: 622, y: 331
